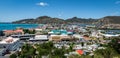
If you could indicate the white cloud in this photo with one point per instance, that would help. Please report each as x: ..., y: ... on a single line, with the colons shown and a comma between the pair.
x: 42, y: 4
x: 117, y: 2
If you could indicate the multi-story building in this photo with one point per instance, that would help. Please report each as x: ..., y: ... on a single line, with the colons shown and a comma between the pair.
x: 24, y: 36
x: 9, y: 44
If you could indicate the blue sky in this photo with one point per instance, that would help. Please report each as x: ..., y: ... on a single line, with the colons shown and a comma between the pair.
x: 12, y: 10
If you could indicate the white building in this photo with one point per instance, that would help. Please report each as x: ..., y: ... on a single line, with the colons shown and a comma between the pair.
x: 24, y: 37
x: 111, y: 35
x: 9, y: 44
x: 39, y: 38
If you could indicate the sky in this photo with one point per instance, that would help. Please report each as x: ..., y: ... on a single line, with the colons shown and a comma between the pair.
x: 12, y: 10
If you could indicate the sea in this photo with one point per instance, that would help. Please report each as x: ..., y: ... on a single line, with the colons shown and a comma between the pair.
x: 11, y: 26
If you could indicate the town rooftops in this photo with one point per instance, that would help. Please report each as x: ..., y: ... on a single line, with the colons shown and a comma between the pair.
x: 13, y: 31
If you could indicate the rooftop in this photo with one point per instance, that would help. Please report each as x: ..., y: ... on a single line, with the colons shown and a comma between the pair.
x: 9, y: 40
x: 39, y: 37
x: 60, y: 32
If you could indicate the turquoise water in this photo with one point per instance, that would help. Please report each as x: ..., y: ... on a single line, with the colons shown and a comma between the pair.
x: 10, y: 26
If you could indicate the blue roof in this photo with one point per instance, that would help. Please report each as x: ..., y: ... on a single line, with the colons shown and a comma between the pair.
x: 60, y: 32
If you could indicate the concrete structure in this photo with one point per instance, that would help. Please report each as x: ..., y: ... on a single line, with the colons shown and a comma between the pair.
x: 82, y: 38
x: 39, y: 38
x: 60, y: 32
x: 111, y: 35
x: 13, y: 32
x: 24, y: 37
x: 60, y: 38
x: 9, y: 44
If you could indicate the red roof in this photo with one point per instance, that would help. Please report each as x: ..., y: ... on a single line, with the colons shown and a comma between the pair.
x: 9, y: 31
x: 12, y: 31
x: 18, y: 31
x: 80, y: 51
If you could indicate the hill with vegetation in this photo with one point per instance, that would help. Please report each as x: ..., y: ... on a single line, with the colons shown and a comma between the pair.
x: 81, y: 20
x: 50, y: 20
x: 110, y: 22
x: 105, y: 22
x: 41, y: 20
x: 24, y: 21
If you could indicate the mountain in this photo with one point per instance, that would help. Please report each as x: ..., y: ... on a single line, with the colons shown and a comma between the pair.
x: 110, y: 22
x: 24, y: 21
x: 50, y: 20
x: 41, y: 20
x: 81, y: 20
x: 105, y: 22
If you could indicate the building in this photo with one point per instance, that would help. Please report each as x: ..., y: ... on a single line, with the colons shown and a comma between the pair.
x: 54, y: 38
x: 82, y: 38
x: 1, y: 33
x: 13, y: 32
x: 9, y: 44
x: 90, y: 26
x: 60, y: 38
x: 111, y: 35
x: 60, y: 32
x: 39, y: 38
x: 24, y: 36
x: 38, y: 31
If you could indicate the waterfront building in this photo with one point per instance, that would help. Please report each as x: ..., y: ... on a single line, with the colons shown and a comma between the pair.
x: 13, y: 32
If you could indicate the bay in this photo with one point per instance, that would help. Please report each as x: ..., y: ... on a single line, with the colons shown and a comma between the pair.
x: 10, y: 26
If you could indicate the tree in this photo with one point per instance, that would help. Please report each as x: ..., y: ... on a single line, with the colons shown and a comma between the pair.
x: 27, y: 51
x: 58, y: 53
x: 115, y: 43
x: 71, y: 47
x: 13, y: 56
x: 79, y: 56
x: 29, y: 31
x: 106, y: 53
x: 32, y: 52
x: 26, y: 30
x: 82, y: 43
x: 39, y: 50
